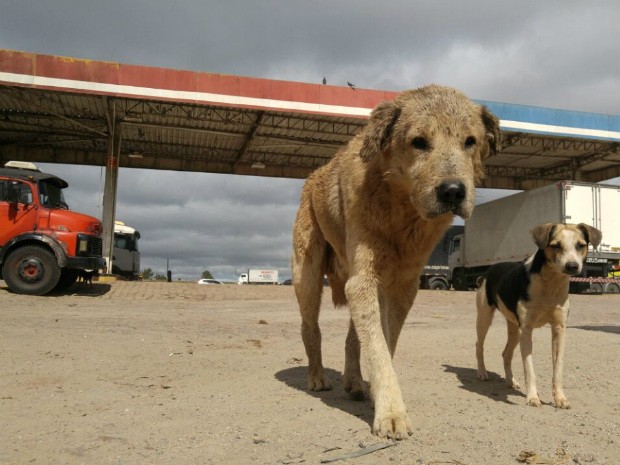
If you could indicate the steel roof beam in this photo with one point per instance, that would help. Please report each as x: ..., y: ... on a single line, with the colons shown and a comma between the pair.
x: 184, y: 128
x: 40, y: 104
x: 248, y: 140
x: 550, y: 143
x: 311, y: 124
x: 579, y: 162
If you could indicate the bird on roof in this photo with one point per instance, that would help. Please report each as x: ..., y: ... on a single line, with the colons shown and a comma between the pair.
x: 324, y: 80
x: 351, y: 85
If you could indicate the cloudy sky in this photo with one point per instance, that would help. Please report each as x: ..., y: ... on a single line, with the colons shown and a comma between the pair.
x: 559, y: 54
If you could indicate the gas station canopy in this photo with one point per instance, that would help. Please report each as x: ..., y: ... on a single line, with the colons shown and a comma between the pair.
x: 65, y: 110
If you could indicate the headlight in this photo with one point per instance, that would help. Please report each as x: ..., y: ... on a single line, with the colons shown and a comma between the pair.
x: 82, y: 246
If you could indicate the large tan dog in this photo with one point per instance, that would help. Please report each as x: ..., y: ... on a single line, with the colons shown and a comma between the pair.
x: 369, y: 220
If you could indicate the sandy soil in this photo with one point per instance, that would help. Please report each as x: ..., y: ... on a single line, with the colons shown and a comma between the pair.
x: 158, y: 373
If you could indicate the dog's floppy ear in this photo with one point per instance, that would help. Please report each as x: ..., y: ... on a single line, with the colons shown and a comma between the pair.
x: 591, y: 235
x: 491, y: 124
x: 542, y: 234
x: 379, y: 129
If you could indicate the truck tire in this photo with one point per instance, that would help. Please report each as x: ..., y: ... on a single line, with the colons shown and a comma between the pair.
x: 596, y: 288
x: 459, y: 280
x: 31, y: 270
x: 612, y: 288
x: 67, y: 278
x: 438, y: 285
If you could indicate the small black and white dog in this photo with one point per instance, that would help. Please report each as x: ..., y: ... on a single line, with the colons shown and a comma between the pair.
x: 531, y: 294
x: 85, y: 276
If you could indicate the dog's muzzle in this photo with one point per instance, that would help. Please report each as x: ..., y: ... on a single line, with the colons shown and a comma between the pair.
x: 572, y: 268
x: 451, y: 195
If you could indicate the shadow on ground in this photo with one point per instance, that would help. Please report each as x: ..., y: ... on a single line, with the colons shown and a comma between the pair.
x: 336, y: 398
x: 606, y: 328
x: 495, y: 388
x: 84, y: 290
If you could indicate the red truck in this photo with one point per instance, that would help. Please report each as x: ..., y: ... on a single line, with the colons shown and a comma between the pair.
x: 43, y: 245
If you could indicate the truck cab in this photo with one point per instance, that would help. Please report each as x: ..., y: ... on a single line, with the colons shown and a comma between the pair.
x: 126, y: 260
x: 456, y: 273
x: 43, y: 244
x: 435, y: 274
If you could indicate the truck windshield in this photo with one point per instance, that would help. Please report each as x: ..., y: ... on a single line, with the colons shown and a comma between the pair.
x: 126, y: 242
x: 51, y: 196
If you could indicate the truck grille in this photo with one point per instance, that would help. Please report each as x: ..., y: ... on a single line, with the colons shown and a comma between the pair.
x: 96, y: 246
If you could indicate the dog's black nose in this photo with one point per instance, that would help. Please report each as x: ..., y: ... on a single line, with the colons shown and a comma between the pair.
x: 571, y: 267
x: 451, y: 193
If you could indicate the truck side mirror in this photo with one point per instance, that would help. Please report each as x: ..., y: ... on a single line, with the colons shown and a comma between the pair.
x: 12, y: 194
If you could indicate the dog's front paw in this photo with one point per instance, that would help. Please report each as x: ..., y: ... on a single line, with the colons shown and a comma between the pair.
x: 533, y: 401
x: 356, y: 387
x: 319, y: 383
x: 482, y: 374
x: 394, y: 425
x: 562, y: 403
x: 513, y: 384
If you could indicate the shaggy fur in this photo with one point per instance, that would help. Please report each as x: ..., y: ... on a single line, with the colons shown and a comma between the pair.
x: 369, y: 220
x: 531, y: 294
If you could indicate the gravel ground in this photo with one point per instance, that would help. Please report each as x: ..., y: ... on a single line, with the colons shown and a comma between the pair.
x: 176, y: 373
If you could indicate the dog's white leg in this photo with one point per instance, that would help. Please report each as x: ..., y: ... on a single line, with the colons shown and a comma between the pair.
x: 352, y: 376
x: 511, y: 344
x: 558, y: 341
x: 528, y: 366
x: 391, y: 418
x: 483, y: 323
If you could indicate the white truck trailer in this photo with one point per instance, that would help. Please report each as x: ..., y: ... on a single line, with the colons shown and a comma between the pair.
x: 259, y: 277
x: 499, y: 231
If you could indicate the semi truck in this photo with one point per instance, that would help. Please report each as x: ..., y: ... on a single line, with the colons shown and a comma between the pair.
x: 126, y: 260
x: 435, y: 273
x: 43, y: 245
x: 258, y: 277
x: 499, y: 231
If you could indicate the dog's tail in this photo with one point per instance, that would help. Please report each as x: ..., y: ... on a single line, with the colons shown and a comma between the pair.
x: 337, y: 285
x: 335, y: 282
x: 479, y: 281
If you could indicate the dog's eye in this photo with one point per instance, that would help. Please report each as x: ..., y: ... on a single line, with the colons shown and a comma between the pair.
x: 580, y: 246
x: 555, y: 246
x: 470, y: 142
x: 420, y: 143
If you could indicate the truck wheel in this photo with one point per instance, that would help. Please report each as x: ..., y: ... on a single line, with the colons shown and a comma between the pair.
x: 67, y: 278
x: 459, y: 280
x: 612, y: 288
x: 596, y: 288
x: 31, y: 270
x: 438, y: 285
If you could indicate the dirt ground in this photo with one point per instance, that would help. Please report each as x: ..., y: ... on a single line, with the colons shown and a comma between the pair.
x: 159, y: 373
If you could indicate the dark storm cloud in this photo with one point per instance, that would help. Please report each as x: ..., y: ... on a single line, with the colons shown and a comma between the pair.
x: 523, y: 52
x: 558, y: 53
